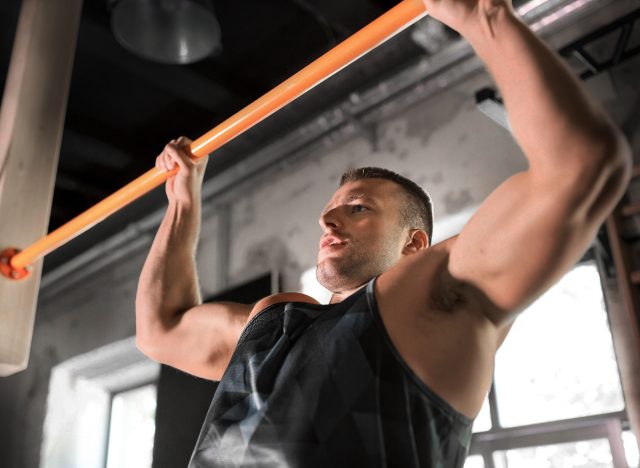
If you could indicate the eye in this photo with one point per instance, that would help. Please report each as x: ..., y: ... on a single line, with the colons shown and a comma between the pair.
x: 358, y: 208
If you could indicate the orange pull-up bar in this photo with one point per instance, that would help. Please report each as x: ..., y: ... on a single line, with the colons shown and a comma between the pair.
x: 15, y: 264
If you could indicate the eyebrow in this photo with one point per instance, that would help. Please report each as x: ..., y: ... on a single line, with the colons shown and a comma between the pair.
x: 357, y: 196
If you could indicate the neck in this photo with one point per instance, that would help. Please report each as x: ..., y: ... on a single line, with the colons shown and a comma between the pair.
x: 340, y: 296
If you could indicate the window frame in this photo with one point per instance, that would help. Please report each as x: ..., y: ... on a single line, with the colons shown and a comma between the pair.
x: 609, y: 426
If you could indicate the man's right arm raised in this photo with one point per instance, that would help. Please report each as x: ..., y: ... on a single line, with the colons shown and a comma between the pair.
x: 173, y: 326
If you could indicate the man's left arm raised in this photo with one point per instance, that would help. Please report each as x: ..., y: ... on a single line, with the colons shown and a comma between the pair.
x: 538, y: 223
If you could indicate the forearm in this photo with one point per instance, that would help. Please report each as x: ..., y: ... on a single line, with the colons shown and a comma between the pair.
x: 556, y: 123
x: 168, y: 284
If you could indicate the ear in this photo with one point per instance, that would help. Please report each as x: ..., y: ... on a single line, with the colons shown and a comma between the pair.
x: 417, y: 240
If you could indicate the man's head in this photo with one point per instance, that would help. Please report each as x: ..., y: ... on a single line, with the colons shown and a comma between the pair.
x: 374, y: 219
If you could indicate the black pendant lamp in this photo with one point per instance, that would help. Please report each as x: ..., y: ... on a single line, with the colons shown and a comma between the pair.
x: 166, y: 31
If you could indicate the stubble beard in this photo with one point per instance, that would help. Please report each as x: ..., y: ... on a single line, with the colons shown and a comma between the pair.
x: 352, y: 268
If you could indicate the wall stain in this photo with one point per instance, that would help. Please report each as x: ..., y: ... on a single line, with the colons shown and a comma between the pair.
x: 295, y: 193
x: 456, y: 201
x: 427, y: 182
x: 389, y: 145
x: 244, y: 214
x: 422, y: 181
x: 294, y: 231
x: 424, y: 119
x: 436, y: 178
x: 268, y: 255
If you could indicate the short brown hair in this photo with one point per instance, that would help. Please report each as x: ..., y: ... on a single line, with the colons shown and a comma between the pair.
x: 416, y: 212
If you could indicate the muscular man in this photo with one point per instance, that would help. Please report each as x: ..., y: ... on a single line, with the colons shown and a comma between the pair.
x: 393, y: 370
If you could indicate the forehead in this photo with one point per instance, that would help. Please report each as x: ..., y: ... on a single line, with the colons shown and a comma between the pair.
x: 380, y: 191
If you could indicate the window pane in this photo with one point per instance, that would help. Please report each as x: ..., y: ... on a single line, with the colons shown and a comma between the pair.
x: 132, y: 428
x: 631, y: 448
x: 583, y: 454
x: 474, y: 461
x: 483, y: 420
x: 558, y: 360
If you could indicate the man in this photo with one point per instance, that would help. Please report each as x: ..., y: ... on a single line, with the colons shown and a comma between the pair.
x: 393, y: 371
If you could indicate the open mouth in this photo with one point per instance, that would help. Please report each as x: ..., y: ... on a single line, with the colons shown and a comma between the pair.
x: 332, y: 243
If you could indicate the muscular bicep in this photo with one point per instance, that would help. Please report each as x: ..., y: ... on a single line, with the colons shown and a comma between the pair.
x: 527, y: 234
x: 201, y: 340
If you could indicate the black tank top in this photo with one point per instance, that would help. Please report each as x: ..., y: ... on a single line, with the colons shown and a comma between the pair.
x: 323, y: 386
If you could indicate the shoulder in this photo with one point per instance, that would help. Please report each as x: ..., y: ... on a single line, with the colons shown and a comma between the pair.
x: 438, y: 326
x: 279, y: 298
x: 425, y: 278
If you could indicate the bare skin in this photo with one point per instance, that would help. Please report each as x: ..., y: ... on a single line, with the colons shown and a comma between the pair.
x: 449, y: 306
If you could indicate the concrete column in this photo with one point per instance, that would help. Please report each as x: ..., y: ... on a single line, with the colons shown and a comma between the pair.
x: 31, y: 125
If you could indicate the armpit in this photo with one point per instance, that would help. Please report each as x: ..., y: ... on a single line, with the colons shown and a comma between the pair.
x: 447, y: 293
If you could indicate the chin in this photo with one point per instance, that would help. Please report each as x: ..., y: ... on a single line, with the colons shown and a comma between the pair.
x: 338, y: 280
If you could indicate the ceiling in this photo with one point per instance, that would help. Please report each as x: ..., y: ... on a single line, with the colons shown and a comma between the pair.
x: 122, y: 109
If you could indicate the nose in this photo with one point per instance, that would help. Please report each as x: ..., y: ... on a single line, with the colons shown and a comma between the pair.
x: 329, y: 220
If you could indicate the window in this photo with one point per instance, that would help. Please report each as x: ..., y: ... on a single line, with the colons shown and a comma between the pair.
x: 474, y: 461
x: 558, y: 361
x: 132, y: 427
x: 556, y: 400
x: 88, y: 407
x: 631, y: 448
x: 586, y: 453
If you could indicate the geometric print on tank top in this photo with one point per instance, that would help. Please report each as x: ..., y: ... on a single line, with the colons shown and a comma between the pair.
x: 313, y: 385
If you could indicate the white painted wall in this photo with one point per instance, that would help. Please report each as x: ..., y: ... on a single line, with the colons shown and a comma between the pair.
x: 445, y: 144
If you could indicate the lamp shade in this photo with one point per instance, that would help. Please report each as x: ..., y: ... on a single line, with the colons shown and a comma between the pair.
x: 166, y: 31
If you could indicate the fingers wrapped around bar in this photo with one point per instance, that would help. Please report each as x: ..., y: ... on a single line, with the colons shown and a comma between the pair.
x: 184, y: 185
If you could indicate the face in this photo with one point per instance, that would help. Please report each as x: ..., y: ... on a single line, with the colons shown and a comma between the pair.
x: 362, y: 234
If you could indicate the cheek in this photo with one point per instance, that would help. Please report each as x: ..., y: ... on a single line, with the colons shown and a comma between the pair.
x: 380, y: 236
x: 393, y: 240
